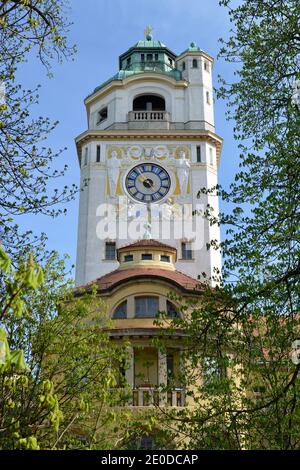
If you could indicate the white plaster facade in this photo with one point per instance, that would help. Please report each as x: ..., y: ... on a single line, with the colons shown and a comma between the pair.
x: 187, y: 123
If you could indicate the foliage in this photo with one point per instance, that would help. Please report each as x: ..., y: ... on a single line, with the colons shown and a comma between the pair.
x: 244, y: 326
x: 26, y: 164
x: 57, y: 373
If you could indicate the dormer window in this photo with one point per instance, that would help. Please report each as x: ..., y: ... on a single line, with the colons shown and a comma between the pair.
x: 102, y: 115
x: 195, y: 63
x: 146, y: 256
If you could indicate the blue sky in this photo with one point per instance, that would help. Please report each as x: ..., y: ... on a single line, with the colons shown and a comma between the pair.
x: 102, y: 30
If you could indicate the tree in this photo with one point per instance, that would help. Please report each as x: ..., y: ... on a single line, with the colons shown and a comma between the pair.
x: 248, y: 323
x: 57, y: 365
x: 27, y: 27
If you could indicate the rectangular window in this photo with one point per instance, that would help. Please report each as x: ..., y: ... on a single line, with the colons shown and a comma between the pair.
x: 102, y: 115
x: 143, y: 57
x: 128, y: 60
x: 149, y: 57
x: 198, y: 154
x: 211, y: 158
x: 207, y: 97
x: 146, y: 307
x: 165, y: 258
x: 128, y: 258
x: 147, y: 256
x: 183, y: 65
x: 170, y: 61
x: 206, y: 66
x: 110, y: 250
x: 86, y: 150
x: 170, y: 367
x: 98, y: 155
x: 186, y: 250
x: 156, y: 56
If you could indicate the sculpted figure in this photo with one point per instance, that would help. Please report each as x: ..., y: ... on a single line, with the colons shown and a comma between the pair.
x: 113, y: 169
x: 183, y: 167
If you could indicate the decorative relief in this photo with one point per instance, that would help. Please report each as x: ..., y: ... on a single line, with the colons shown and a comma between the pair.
x: 175, y: 157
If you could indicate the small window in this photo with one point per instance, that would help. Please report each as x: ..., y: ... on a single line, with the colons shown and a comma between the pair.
x: 165, y: 258
x: 98, y: 155
x: 172, y: 311
x: 102, y: 115
x: 86, y: 150
x: 156, y: 56
x: 207, y: 97
x: 170, y: 367
x: 195, y: 63
x: 211, y: 158
x: 149, y: 57
x: 206, y: 66
x: 146, y: 307
x: 183, y: 65
x: 121, y: 310
x: 143, y: 57
x: 198, y: 154
x: 146, y: 256
x: 128, y: 258
x: 170, y: 61
x: 110, y: 250
x: 128, y: 61
x: 186, y: 250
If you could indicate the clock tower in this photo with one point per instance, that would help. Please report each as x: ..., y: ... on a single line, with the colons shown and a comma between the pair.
x: 149, y: 149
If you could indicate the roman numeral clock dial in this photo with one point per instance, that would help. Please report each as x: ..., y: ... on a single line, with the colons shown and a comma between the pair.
x: 148, y: 182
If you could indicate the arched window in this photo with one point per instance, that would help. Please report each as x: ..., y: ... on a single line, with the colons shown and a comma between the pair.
x: 121, y: 310
x: 146, y: 306
x: 149, y: 103
x: 172, y: 311
x: 195, y: 63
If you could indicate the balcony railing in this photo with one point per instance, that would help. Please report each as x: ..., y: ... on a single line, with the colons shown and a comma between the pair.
x: 148, y: 116
x: 146, y: 396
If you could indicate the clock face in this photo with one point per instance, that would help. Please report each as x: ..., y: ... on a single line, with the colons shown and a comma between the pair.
x: 148, y: 182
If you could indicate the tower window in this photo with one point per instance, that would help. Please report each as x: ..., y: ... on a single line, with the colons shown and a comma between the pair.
x: 156, y: 56
x: 207, y: 97
x: 146, y: 307
x: 102, y: 115
x: 206, y: 66
x: 86, y: 150
x: 98, y: 154
x: 195, y: 63
x: 211, y: 158
x: 165, y: 258
x: 128, y: 61
x: 128, y: 258
x: 198, y: 148
x: 143, y: 57
x: 121, y: 310
x: 110, y: 250
x: 172, y: 311
x: 146, y: 256
x: 170, y: 61
x: 183, y: 65
x: 186, y: 250
x: 149, y: 57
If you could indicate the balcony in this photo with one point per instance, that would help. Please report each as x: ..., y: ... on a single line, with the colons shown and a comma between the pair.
x: 148, y: 120
x: 146, y: 396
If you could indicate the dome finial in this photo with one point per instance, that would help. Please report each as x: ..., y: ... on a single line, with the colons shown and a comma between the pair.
x: 147, y: 32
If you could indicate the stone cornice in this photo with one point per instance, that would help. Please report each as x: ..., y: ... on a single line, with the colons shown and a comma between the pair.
x: 115, y: 135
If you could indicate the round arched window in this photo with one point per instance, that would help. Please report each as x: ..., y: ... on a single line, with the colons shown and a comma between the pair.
x: 120, y: 311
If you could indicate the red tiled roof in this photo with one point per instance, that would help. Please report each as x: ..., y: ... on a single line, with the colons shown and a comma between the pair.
x: 119, y: 276
x: 148, y: 242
